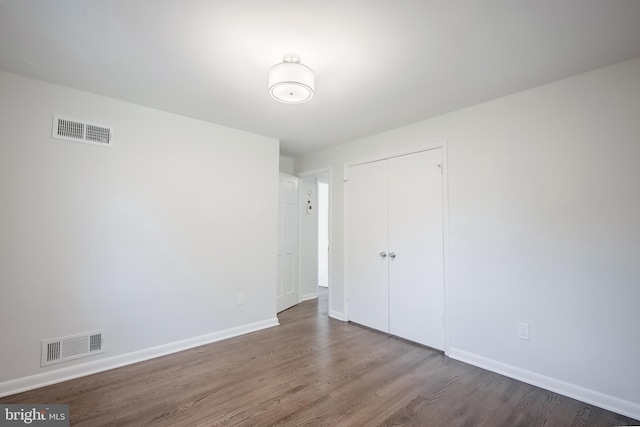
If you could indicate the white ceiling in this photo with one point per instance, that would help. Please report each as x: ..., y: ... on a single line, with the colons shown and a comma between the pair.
x: 379, y: 64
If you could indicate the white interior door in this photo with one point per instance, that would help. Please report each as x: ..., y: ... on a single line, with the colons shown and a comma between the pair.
x: 416, y: 269
x: 367, y: 238
x: 287, y: 292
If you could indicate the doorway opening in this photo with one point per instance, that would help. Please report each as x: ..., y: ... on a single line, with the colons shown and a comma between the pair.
x: 315, y: 225
x: 323, y: 231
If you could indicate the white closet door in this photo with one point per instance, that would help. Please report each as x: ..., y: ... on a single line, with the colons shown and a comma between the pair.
x: 416, y: 294
x: 367, y: 237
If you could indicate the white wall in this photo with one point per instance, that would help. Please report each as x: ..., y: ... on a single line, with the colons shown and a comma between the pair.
x: 286, y: 165
x: 544, y: 208
x: 150, y: 240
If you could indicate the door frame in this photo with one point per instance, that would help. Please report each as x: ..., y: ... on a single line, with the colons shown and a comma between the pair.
x: 445, y: 225
x: 301, y: 207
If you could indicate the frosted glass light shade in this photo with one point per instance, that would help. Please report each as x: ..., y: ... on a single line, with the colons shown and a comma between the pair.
x: 291, y: 82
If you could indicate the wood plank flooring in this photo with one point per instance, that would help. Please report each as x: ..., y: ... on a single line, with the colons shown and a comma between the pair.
x: 312, y: 371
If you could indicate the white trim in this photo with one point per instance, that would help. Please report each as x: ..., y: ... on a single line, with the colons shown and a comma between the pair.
x: 287, y: 175
x: 307, y: 297
x: 445, y: 223
x: 314, y: 172
x: 605, y: 401
x: 59, y: 375
x: 337, y: 315
x: 345, y: 243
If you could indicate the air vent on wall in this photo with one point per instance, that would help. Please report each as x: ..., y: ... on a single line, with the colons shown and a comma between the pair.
x: 72, y: 347
x: 81, y: 131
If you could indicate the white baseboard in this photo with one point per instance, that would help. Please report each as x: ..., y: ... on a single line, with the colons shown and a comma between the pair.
x: 336, y: 315
x: 307, y: 297
x: 59, y: 375
x: 605, y: 401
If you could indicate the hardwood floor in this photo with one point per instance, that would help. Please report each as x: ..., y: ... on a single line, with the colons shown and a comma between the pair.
x: 313, y: 371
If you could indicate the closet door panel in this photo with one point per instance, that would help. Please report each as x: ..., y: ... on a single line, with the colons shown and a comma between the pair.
x: 416, y: 294
x: 367, y: 236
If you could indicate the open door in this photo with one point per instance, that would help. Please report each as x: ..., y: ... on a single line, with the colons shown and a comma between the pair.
x: 287, y: 293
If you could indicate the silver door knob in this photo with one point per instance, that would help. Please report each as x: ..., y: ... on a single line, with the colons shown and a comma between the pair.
x: 383, y: 254
x: 392, y: 255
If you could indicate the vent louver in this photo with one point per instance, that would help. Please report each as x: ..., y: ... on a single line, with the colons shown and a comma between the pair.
x: 81, y: 131
x: 71, y: 347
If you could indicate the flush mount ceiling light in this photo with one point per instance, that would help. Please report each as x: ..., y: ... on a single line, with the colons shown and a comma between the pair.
x: 291, y: 82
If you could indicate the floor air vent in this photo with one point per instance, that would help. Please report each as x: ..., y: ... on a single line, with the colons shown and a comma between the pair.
x: 80, y: 131
x: 72, y: 347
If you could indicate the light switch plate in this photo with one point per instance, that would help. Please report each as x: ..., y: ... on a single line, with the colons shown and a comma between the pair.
x: 523, y: 331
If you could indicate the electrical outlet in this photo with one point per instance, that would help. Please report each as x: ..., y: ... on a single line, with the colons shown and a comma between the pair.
x: 240, y: 298
x: 523, y: 331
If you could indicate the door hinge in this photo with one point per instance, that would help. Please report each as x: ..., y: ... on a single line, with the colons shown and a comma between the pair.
x: 440, y: 166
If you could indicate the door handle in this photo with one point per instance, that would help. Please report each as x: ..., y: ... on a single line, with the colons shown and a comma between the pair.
x: 392, y: 255
x: 383, y: 254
